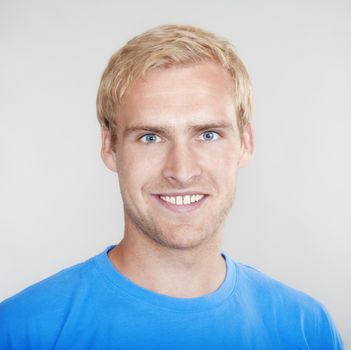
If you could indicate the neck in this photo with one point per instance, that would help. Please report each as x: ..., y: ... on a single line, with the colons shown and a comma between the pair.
x: 181, y: 273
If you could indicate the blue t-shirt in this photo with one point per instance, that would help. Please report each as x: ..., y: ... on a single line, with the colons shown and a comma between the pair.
x: 93, y: 306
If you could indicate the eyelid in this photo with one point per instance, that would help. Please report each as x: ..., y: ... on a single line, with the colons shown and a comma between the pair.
x: 213, y: 131
x: 147, y: 134
x: 157, y: 136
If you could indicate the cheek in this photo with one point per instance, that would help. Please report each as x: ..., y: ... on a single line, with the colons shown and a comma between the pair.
x: 135, y: 170
x: 225, y: 156
x: 224, y: 165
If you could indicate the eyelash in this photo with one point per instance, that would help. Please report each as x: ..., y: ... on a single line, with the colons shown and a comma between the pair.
x: 213, y: 132
x: 207, y: 131
x: 148, y: 135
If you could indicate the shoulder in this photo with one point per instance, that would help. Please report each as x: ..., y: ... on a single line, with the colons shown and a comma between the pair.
x: 270, y: 291
x: 58, y: 284
x: 268, y: 287
x: 44, y: 305
x: 292, y: 308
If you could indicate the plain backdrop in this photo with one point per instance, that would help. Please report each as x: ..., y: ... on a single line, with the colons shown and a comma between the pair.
x: 59, y: 205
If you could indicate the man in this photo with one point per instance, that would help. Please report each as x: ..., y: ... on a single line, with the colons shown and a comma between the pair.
x: 174, y: 106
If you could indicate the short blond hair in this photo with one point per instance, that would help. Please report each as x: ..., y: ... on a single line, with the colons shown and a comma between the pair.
x: 162, y: 47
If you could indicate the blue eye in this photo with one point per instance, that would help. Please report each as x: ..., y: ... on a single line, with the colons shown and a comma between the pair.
x: 210, y: 135
x: 150, y: 138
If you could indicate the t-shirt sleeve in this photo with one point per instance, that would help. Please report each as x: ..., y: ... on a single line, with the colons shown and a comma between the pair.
x: 327, y: 334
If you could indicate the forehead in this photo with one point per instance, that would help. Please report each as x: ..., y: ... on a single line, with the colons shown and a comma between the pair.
x: 180, y: 95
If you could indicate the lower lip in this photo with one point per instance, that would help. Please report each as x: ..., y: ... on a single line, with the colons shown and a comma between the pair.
x: 184, y: 208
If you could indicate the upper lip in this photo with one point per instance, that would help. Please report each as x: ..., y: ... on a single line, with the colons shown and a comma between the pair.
x: 180, y: 194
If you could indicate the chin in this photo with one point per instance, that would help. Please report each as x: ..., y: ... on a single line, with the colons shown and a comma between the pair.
x: 181, y: 238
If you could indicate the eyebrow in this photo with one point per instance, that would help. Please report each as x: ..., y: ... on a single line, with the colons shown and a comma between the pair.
x: 166, y: 130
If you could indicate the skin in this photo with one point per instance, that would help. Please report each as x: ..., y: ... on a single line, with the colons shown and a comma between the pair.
x: 176, y: 253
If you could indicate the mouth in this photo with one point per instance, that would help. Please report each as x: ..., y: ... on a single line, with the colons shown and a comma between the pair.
x: 181, y: 202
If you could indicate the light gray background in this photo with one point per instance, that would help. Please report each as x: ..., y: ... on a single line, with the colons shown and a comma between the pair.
x: 59, y: 205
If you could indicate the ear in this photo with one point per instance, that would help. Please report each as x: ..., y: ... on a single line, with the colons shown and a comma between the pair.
x: 247, y: 145
x: 108, y: 153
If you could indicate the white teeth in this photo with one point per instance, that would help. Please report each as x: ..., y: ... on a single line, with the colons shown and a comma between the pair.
x: 186, y: 200
x: 181, y: 200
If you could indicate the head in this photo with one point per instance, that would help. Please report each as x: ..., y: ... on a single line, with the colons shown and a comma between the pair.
x: 175, y: 107
x: 169, y: 46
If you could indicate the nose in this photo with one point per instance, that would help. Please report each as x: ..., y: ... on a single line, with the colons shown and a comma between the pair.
x: 181, y: 166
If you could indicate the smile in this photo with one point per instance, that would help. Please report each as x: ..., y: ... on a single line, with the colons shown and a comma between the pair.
x: 181, y: 200
x: 181, y: 203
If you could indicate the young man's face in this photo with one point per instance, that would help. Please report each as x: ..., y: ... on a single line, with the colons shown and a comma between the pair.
x: 177, y: 153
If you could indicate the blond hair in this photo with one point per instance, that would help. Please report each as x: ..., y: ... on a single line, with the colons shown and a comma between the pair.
x: 161, y: 47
